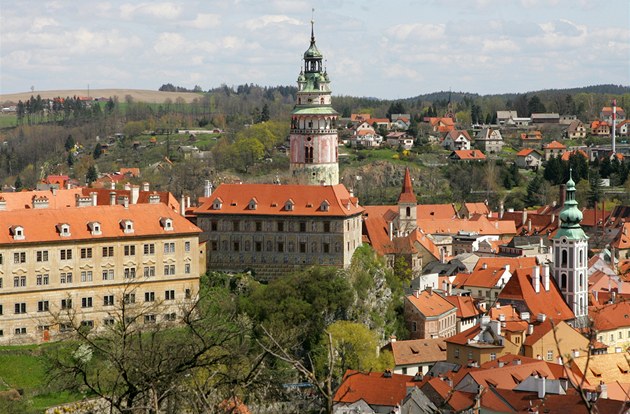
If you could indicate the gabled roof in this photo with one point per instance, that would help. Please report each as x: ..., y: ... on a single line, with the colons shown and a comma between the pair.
x: 478, y: 224
x: 272, y: 198
x: 477, y: 208
x: 622, y: 240
x: 468, y: 155
x: 567, y: 155
x: 456, y: 133
x: 604, y: 367
x: 527, y: 151
x: 487, y: 278
x: 430, y: 304
x: 555, y: 145
x: 465, y: 306
x: 418, y: 351
x: 513, y: 262
x: 610, y: 316
x: 374, y: 388
x: 550, y: 303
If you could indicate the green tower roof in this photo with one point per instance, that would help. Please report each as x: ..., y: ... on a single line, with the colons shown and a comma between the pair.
x: 570, y: 216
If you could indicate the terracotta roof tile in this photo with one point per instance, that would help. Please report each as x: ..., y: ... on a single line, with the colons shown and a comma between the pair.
x: 468, y: 155
x: 372, y: 387
x: 430, y: 304
x: 418, y: 351
x: 465, y: 306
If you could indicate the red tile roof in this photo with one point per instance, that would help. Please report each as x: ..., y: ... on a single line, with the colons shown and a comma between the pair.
x: 551, y: 302
x: 430, y: 304
x: 270, y: 199
x: 465, y: 306
x: 407, y: 195
x: 418, y: 351
x: 477, y: 208
x: 468, y: 155
x: 486, y: 278
x: 610, y: 316
x: 526, y: 151
x: 40, y: 225
x: 513, y: 262
x: 622, y: 240
x: 567, y: 155
x: 372, y: 387
x: 555, y: 145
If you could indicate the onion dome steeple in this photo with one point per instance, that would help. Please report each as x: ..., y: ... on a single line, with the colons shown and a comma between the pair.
x: 570, y: 216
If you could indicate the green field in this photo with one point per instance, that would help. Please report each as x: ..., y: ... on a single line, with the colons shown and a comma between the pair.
x: 8, y: 120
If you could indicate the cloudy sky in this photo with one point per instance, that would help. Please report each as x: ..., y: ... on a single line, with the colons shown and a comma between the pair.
x: 385, y: 49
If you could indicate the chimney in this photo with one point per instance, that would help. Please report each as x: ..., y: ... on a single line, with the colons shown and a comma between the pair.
x: 507, y: 267
x: 497, y: 305
x: 576, y: 353
x: 442, y: 255
x: 541, y: 382
x: 207, y: 189
x: 125, y: 201
x: 187, y: 201
x: 553, y: 218
x: 530, y: 329
x: 529, y: 226
x: 596, y: 294
x: 135, y: 194
x: 145, y: 186
x: 502, y: 317
x: 127, y: 187
x: 517, y: 361
x: 524, y: 217
x: 112, y: 198
x: 602, y: 388
x: 392, y: 338
x: 536, y: 279
x: 391, y: 231
x: 541, y: 317
x: 182, y: 205
x: 525, y: 316
x: 501, y: 364
x: 94, y: 198
x: 416, y: 293
x: 429, y: 289
x: 563, y: 194
x: 154, y: 198
x: 501, y: 210
x: 112, y: 185
x: 484, y: 266
x: 444, y: 286
x: 545, y: 277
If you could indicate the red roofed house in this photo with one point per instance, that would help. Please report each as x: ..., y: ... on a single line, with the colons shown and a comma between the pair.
x: 468, y: 210
x: 621, y: 242
x: 549, y: 340
x: 606, y: 114
x: 611, y: 322
x: 429, y: 315
x: 274, y: 229
x: 554, y: 150
x: 529, y: 158
x: 441, y: 125
x: 576, y: 130
x: 416, y: 355
x: 468, y: 311
x: 456, y: 140
x: 531, y: 139
x: 485, y: 283
x: 379, y: 391
x: 600, y: 128
x: 467, y: 155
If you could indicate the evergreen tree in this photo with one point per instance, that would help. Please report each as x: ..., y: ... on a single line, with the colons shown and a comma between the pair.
x: 595, y: 191
x: 264, y: 114
x: 554, y: 171
x: 98, y: 151
x: 91, y: 175
x: 18, y: 183
x: 69, y: 144
x: 70, y: 159
x: 535, y: 106
x: 533, y: 191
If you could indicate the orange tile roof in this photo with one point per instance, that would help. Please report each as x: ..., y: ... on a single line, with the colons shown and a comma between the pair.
x: 372, y: 387
x: 622, y: 240
x: 469, y: 155
x: 508, y: 311
x: 465, y: 306
x: 486, y: 278
x: 418, y: 351
x: 513, y: 262
x: 567, y: 155
x: 555, y: 145
x: 458, y: 401
x: 435, y: 211
x: 40, y: 225
x: 271, y: 199
x: 133, y: 172
x: 477, y: 208
x: 479, y: 224
x: 551, y: 302
x: 526, y: 151
x: 430, y: 304
x: 56, y: 198
x: 103, y: 194
x: 610, y: 316
x: 359, y: 117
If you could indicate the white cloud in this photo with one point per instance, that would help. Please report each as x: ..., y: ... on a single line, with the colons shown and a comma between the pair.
x: 154, y: 10
x: 206, y: 21
x: 499, y: 45
x: 415, y: 31
x: 270, y: 20
x: 170, y: 44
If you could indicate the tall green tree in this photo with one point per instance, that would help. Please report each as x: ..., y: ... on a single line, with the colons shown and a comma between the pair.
x: 595, y: 194
x: 69, y: 144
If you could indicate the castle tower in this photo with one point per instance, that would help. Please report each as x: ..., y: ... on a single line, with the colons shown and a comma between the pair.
x: 313, y: 138
x: 570, y: 247
x: 407, y: 207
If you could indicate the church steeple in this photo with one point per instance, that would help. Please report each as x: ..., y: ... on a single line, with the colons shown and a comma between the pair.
x: 407, y: 207
x: 407, y: 195
x: 570, y: 216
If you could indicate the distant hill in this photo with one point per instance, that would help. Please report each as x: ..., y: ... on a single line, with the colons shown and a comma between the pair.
x: 137, y: 95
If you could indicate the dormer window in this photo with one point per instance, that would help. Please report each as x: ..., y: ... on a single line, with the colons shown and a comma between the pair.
x: 288, y: 206
x: 217, y: 204
x: 95, y: 228
x: 63, y: 229
x: 253, y: 204
x: 324, y: 206
x: 17, y: 232
x: 127, y: 226
x: 166, y: 223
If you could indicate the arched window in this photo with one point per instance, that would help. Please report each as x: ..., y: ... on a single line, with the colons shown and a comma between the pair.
x: 308, y: 155
x: 565, y: 258
x: 581, y: 258
x: 563, y: 281
x: 408, y: 210
x: 581, y: 281
x: 581, y: 305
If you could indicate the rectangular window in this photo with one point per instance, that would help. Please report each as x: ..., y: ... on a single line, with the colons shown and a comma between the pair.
x: 302, y: 226
x: 108, y: 251
x: 187, y: 294
x: 258, y: 246
x: 108, y: 321
x: 148, y: 249
x: 86, y: 253
x: 19, y: 281
x: 1, y: 285
x: 236, y: 225
x: 20, y: 331
x: 187, y: 246
x: 237, y: 246
x: 187, y: 268
x: 169, y: 295
x: 170, y: 316
x: 86, y: 276
x: 19, y: 257
x: 42, y: 306
x: 20, y: 308
x: 130, y: 298
x: 149, y: 296
x: 130, y: 272
x: 1, y: 310
x: 213, y: 225
x: 169, y: 248
x: 41, y: 255
x: 259, y: 226
x: 87, y: 324
x: 280, y: 247
x: 66, y: 303
x: 280, y: 226
x: 493, y: 356
x: 169, y: 270
x: 149, y: 271
x: 214, y: 246
x: 326, y: 247
x: 302, y: 247
x: 149, y: 318
x: 42, y: 280
x: 86, y: 302
x: 108, y: 274
x: 1, y: 259
x: 327, y: 227
x: 129, y: 250
x: 65, y: 254
x: 108, y: 300
x: 65, y: 277
x: 550, y: 355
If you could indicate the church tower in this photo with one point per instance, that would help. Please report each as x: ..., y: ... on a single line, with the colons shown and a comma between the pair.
x: 570, y: 247
x: 313, y: 154
x: 407, y: 207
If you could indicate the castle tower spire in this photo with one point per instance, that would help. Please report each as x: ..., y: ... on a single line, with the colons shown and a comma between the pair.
x: 570, y: 249
x: 313, y: 139
x: 407, y: 207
